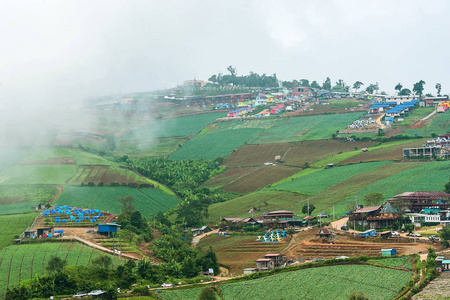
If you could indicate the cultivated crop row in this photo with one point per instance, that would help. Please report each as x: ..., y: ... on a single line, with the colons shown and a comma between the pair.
x: 13, y: 225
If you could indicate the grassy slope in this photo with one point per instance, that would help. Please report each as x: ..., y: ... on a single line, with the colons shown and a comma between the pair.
x: 319, y: 181
x: 22, y: 262
x: 19, y: 198
x: 148, y: 201
x: 12, y: 225
x: 37, y: 174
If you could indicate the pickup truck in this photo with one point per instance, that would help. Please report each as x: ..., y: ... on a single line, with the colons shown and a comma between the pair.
x: 434, y: 238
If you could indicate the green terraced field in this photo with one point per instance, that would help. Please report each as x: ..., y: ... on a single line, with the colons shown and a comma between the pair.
x: 12, y: 225
x: 182, y: 126
x: 316, y: 182
x: 20, y: 198
x: 37, y: 174
x: 283, y: 130
x: 215, y: 144
x: 333, y: 282
x: 21, y: 262
x: 148, y: 201
x: 80, y: 157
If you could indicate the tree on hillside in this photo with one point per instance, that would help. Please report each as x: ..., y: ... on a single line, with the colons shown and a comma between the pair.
x: 327, y: 84
x: 372, y: 88
x: 357, y: 296
x: 447, y: 187
x: 304, y: 82
x: 55, y: 264
x: 374, y: 198
x: 405, y: 92
x: 409, y: 227
x: 127, y: 204
x: 340, y: 82
x: 357, y: 85
x: 103, y: 261
x: 232, y: 70
x: 418, y: 87
x: 445, y: 233
x: 207, y: 293
x: 438, y: 88
x: 311, y: 209
x: 398, y: 88
x: 315, y: 85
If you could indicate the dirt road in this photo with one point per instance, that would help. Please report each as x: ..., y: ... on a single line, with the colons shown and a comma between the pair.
x: 197, y: 239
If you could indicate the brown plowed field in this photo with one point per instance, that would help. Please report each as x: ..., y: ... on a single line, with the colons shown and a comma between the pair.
x: 296, y: 154
x: 389, y: 153
x: 105, y: 174
x: 246, y: 180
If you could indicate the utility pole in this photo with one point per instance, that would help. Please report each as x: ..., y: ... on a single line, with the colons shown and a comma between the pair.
x: 333, y: 213
x: 308, y: 207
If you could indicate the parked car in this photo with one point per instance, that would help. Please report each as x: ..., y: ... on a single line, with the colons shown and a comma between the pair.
x: 434, y: 238
x: 414, y: 234
x: 168, y: 285
x: 323, y: 215
x: 345, y: 227
x: 79, y: 295
x: 317, y: 259
x: 395, y: 233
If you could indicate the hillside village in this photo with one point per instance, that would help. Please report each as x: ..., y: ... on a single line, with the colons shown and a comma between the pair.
x: 269, y: 180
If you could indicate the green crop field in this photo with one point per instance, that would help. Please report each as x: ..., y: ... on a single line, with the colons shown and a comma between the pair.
x: 12, y: 225
x: 438, y: 125
x: 105, y: 174
x: 151, y: 147
x: 80, y: 157
x: 182, y: 126
x: 316, y: 182
x: 19, y: 198
x: 395, y: 262
x: 427, y: 176
x: 333, y: 282
x: 21, y: 262
x: 10, y: 156
x: 215, y: 144
x: 283, y: 130
x: 148, y: 201
x: 37, y: 174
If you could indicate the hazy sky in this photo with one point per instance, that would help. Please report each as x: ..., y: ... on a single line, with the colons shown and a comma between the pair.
x: 68, y: 50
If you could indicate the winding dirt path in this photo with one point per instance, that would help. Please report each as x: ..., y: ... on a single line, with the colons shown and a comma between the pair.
x: 60, y: 188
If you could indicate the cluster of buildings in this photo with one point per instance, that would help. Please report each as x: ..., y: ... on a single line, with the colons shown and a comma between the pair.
x: 417, y: 208
x: 439, y: 147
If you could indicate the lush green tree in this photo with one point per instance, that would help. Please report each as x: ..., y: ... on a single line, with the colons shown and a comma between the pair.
x: 372, y: 88
x: 398, y: 88
x: 374, y: 198
x: 137, y: 220
x: 232, y: 70
x: 418, y: 87
x: 162, y: 219
x: 357, y: 296
x: 409, y: 227
x: 405, y: 92
x: 207, y: 293
x: 315, y: 85
x: 304, y: 82
x: 311, y: 209
x: 103, y: 261
x: 208, y: 260
x: 191, y: 212
x: 444, y: 233
x: 188, y: 268
x: 55, y: 264
x: 438, y: 88
x: 327, y: 84
x: 127, y: 205
x: 447, y: 187
x: 357, y: 85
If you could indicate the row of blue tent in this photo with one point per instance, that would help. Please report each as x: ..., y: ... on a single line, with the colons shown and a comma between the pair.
x: 74, y: 219
x: 68, y: 211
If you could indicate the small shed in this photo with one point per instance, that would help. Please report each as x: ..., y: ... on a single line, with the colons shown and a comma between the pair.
x: 278, y: 258
x: 44, y: 232
x: 265, y: 264
x: 446, y: 265
x: 107, y: 228
x: 29, y: 234
x: 386, y: 235
x: 367, y: 233
x: 388, y: 252
x: 250, y: 270
x: 324, y: 233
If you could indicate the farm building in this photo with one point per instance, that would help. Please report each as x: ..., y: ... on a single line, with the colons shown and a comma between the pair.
x: 432, y: 101
x: 202, y: 230
x: 269, y: 262
x: 368, y: 233
x: 324, y: 233
x: 108, y: 228
x: 418, y: 219
x: 445, y: 265
x: 29, y: 234
x: 280, y: 214
x: 401, y: 99
x: 417, y: 201
x: 361, y: 215
x: 388, y: 252
x: 249, y: 270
